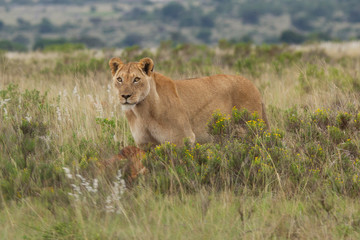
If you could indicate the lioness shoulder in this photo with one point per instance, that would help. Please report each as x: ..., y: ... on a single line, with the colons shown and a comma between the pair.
x: 160, y: 109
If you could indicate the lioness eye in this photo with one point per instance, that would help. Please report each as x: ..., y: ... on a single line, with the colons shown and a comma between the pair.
x: 119, y: 79
x: 136, y: 80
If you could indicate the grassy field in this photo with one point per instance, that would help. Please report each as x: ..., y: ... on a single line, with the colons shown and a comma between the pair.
x: 60, y: 119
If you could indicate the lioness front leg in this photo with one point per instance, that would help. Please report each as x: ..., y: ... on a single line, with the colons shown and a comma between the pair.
x: 146, y: 146
x: 181, y: 137
x: 191, y: 138
x: 173, y: 135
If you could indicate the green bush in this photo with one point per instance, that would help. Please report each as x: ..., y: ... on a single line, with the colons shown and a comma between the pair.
x: 26, y: 165
x: 43, y: 42
x: 131, y: 39
x: 289, y: 36
x: 204, y: 35
x: 82, y: 65
x: 12, y: 46
x: 302, y: 22
x: 247, y: 155
x: 31, y: 158
x: 173, y: 10
x: 66, y: 47
x: 46, y: 26
x: 251, y: 65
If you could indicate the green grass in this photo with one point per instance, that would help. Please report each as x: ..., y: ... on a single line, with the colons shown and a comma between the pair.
x: 299, y: 179
x: 204, y: 215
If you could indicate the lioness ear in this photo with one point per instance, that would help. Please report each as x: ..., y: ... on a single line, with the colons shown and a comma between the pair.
x: 114, y: 64
x: 147, y: 65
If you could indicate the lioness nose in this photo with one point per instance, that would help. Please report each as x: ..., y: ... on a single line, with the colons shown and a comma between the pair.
x: 126, y: 96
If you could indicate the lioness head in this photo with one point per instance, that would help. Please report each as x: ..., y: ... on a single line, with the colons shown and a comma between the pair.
x: 132, y: 80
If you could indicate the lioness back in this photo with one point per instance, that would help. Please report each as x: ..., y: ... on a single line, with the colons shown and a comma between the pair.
x: 160, y: 109
x: 204, y: 95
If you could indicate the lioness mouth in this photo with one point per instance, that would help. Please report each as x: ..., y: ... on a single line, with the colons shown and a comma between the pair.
x: 127, y: 106
x: 127, y: 103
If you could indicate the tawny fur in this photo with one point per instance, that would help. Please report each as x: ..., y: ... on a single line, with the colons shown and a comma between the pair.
x: 160, y: 109
x: 129, y: 159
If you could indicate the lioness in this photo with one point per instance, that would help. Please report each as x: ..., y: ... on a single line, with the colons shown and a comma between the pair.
x: 160, y: 109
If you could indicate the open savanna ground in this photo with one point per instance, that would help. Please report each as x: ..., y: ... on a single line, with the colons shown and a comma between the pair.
x: 300, y: 179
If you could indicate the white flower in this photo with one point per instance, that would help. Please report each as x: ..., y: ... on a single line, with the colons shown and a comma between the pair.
x: 67, y: 114
x: 76, y: 196
x: 68, y: 173
x: 75, y: 93
x: 46, y: 139
x: 111, y: 98
x: 81, y: 177
x: 28, y: 117
x: 95, y: 185
x: 76, y: 188
x: 3, y: 102
x: 58, y: 112
x: 118, y: 190
x: 83, y: 190
x: 99, y: 108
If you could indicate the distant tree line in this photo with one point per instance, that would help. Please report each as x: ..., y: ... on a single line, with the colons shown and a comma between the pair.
x: 132, y: 39
x: 18, y: 44
x: 301, y: 11
x: 31, y: 2
x: 304, y: 15
x: 249, y: 11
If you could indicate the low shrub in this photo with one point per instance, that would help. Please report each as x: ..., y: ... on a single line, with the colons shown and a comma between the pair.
x: 312, y: 153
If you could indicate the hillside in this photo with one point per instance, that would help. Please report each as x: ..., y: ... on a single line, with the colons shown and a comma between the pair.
x: 146, y: 23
